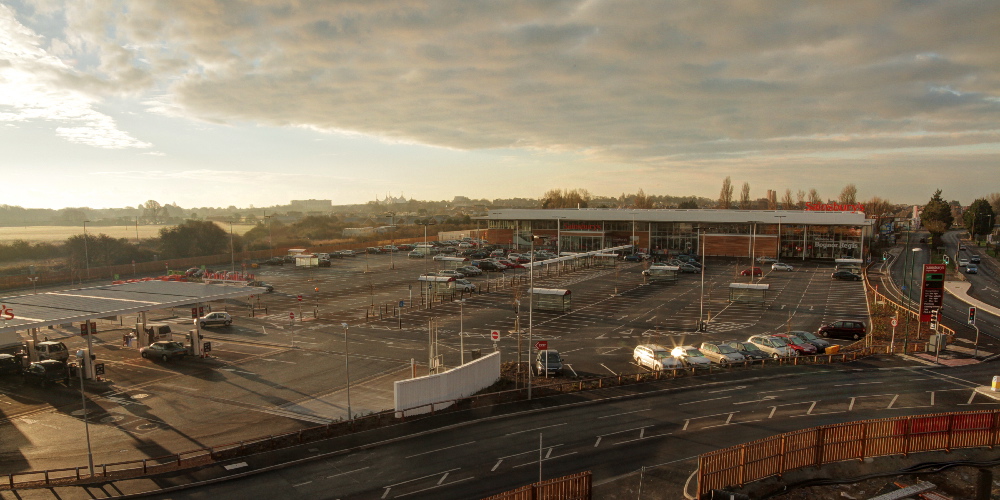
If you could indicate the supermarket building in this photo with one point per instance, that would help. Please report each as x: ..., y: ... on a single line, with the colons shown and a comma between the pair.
x: 822, y: 232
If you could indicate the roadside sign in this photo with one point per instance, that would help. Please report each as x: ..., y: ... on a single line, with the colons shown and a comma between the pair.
x: 99, y: 369
x: 300, y: 298
x: 542, y: 345
x: 402, y: 303
x: 931, y: 290
x: 894, y: 322
x: 207, y: 347
x: 291, y: 315
x: 495, y: 335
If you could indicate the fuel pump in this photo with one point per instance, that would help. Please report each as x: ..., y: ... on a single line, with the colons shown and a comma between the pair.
x: 87, y: 359
x: 195, y: 345
x: 29, y: 349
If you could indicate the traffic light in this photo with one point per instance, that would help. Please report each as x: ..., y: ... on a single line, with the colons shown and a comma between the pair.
x: 934, y: 320
x: 972, y: 315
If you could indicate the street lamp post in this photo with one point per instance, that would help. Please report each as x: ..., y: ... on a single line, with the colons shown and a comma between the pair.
x: 633, y: 233
x: 34, y: 280
x: 86, y: 251
x: 461, y: 330
x: 701, y: 298
x: 347, y: 368
x: 392, y: 239
x: 232, y: 249
x: 270, y: 242
x: 779, y: 217
x: 531, y: 307
x: 908, y: 284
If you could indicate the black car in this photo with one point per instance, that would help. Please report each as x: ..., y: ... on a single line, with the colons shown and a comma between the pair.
x: 164, y: 350
x: 844, y: 329
x: 845, y: 275
x: 266, y: 286
x: 747, y: 349
x: 274, y: 261
x: 975, y: 259
x: 486, y: 265
x: 46, y: 372
x: 10, y: 365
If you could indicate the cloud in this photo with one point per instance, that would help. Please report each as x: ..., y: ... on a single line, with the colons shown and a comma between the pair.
x: 33, y: 88
x: 634, y: 82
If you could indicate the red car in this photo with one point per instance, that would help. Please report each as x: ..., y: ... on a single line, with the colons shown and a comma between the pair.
x: 755, y: 270
x: 511, y: 264
x: 801, y: 348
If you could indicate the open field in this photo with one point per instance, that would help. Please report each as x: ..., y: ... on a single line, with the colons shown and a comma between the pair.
x: 49, y: 234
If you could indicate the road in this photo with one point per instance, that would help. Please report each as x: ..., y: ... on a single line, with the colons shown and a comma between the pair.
x: 674, y: 420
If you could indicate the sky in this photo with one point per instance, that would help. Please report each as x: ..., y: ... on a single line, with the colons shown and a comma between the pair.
x: 109, y: 103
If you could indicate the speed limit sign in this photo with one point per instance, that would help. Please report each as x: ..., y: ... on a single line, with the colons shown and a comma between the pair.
x: 894, y: 322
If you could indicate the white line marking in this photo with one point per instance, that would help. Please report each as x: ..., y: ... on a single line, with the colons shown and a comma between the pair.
x: 533, y: 430
x: 432, y: 487
x: 608, y: 369
x: 858, y: 383
x: 442, y: 478
x: 737, y: 388
x: 440, y: 449
x: 598, y: 442
x: 703, y: 400
x: 497, y: 465
x: 892, y: 402
x: 810, y: 410
x: 301, y: 484
x: 625, y: 413
x: 236, y: 466
x: 546, y: 459
x: 348, y: 472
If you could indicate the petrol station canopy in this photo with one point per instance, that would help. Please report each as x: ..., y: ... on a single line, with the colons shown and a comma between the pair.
x: 82, y: 304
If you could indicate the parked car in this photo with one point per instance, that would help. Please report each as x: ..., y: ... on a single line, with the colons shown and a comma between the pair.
x: 470, y: 270
x: 52, y: 349
x: 10, y: 364
x: 655, y: 357
x: 781, y: 266
x: 635, y: 257
x: 164, y: 350
x: 46, y: 372
x: 511, y: 264
x: 415, y: 254
x: 450, y: 273
x: 763, y: 259
x: 801, y: 347
x: 773, y: 346
x: 373, y: 250
x: 720, y: 353
x: 844, y: 329
x: 755, y: 270
x: 348, y: 253
x: 690, y: 356
x: 687, y: 267
x: 971, y: 269
x: 749, y: 350
x: 274, y: 261
x: 214, y: 319
x: 191, y: 272
x: 486, y: 265
x: 465, y: 285
x: 548, y: 362
x: 845, y: 275
x: 811, y: 338
x: 266, y: 286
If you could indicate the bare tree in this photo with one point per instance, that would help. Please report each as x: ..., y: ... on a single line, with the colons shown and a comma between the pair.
x: 642, y: 201
x: 814, y: 196
x: 994, y: 200
x: 745, y: 197
x: 849, y: 195
x: 726, y: 195
x: 800, y: 195
x: 786, y: 201
x: 570, y: 198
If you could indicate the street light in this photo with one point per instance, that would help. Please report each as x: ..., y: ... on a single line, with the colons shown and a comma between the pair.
x: 232, y: 249
x: 33, y: 281
x: 558, y: 234
x: 347, y: 366
x: 779, y: 217
x: 270, y: 243
x: 461, y: 330
x: 86, y: 421
x: 392, y: 239
x: 753, y: 230
x: 908, y: 284
x: 86, y: 251
x: 701, y: 298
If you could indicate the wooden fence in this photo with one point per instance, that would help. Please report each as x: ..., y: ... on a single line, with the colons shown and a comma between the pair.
x: 572, y: 487
x: 775, y: 455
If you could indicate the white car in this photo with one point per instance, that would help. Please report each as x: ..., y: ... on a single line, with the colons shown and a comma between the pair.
x: 781, y: 266
x: 451, y: 273
x: 214, y: 319
x: 776, y: 347
x: 691, y: 356
x: 764, y: 259
x: 655, y: 357
x: 465, y: 285
x: 963, y: 262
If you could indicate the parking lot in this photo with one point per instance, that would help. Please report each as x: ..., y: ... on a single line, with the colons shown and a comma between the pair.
x: 270, y: 374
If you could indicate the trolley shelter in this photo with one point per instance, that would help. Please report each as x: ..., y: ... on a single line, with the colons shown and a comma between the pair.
x: 551, y: 299
x: 852, y: 265
x: 452, y: 262
x: 666, y: 274
x: 605, y: 260
x: 437, y: 286
x: 306, y: 260
x: 748, y: 293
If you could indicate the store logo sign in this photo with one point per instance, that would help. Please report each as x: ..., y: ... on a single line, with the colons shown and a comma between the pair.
x: 835, y: 207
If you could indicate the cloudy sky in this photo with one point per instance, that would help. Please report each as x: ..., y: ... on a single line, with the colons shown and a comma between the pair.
x: 107, y: 103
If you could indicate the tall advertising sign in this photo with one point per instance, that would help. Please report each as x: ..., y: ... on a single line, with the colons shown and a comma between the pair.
x: 931, y: 290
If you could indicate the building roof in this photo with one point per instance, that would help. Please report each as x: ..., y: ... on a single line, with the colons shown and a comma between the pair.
x: 680, y: 215
x: 69, y: 306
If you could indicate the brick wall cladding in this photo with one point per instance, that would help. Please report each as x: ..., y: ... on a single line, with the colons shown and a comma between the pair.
x: 739, y: 246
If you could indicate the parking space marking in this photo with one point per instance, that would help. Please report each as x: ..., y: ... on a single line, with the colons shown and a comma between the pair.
x: 608, y: 369
x: 687, y: 421
x: 347, y: 472
x: 441, y: 449
x: 703, y: 400
x: 625, y: 413
x: 536, y: 429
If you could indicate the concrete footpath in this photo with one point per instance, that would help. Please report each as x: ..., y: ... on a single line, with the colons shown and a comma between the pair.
x: 960, y: 289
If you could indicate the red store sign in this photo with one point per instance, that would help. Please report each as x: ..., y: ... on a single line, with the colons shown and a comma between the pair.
x: 582, y: 227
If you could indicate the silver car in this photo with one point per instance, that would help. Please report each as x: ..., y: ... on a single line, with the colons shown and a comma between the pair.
x: 721, y: 353
x: 655, y: 357
x: 691, y: 356
x: 776, y: 347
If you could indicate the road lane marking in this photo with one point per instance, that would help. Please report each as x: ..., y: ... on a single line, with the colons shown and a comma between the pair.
x: 703, y: 400
x: 348, y: 472
x: 545, y: 459
x: 535, y: 429
x: 440, y: 449
x: 857, y: 383
x: 737, y: 388
x: 624, y: 413
x: 608, y: 369
x: 892, y: 402
x: 687, y: 421
x: 432, y: 487
x: 301, y: 484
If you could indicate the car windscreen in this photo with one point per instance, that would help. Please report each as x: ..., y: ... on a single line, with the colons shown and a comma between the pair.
x: 778, y: 342
x: 173, y: 345
x: 693, y: 352
x: 750, y: 346
x: 724, y: 349
x: 806, y: 336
